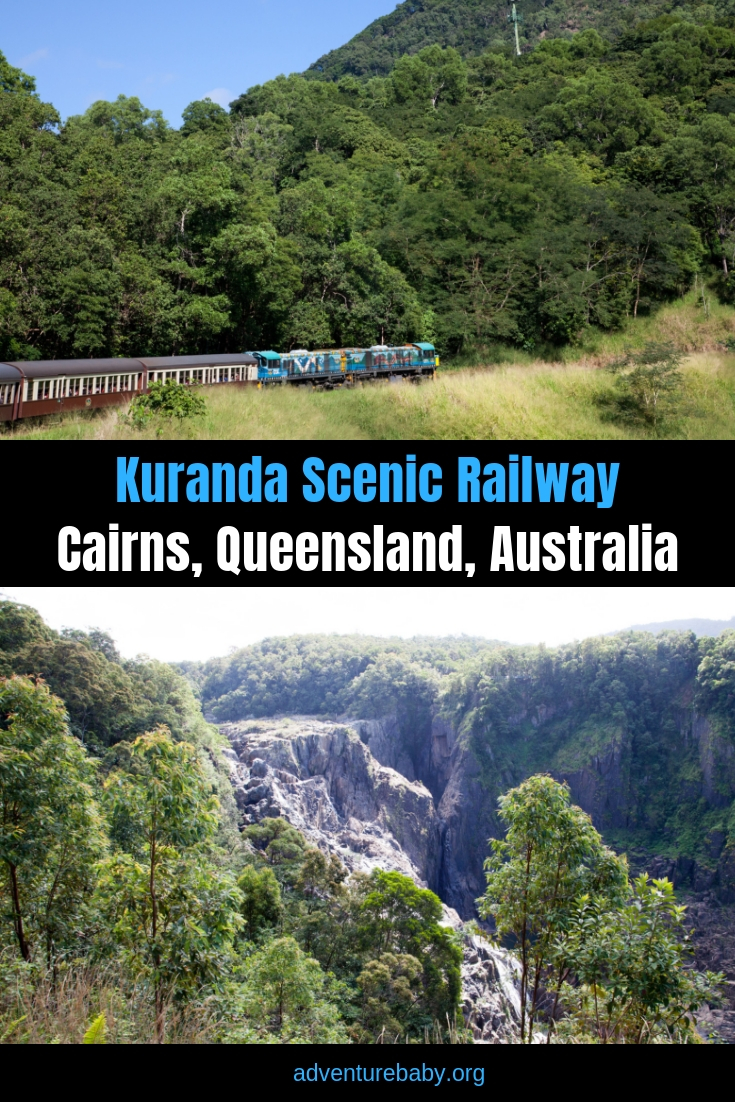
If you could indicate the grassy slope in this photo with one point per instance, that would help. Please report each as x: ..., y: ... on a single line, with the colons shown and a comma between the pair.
x: 513, y: 398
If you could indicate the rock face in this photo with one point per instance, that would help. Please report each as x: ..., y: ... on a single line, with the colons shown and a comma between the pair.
x: 463, y: 807
x: 714, y: 949
x: 325, y: 781
x: 491, y: 1001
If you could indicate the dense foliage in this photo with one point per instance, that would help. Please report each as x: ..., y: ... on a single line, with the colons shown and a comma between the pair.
x: 317, y: 674
x: 588, y: 941
x: 166, y: 401
x: 460, y: 196
x: 126, y: 877
x: 107, y: 699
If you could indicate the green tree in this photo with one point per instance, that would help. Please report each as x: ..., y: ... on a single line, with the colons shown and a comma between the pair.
x: 170, y: 400
x: 431, y: 75
x: 632, y: 980
x: 397, y: 917
x: 261, y: 900
x: 50, y: 828
x: 391, y: 997
x: 286, y: 998
x: 166, y: 904
x: 601, y: 113
x: 550, y: 856
x: 205, y: 115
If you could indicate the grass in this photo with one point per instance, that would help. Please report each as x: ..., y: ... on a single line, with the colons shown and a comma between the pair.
x: 39, y: 1008
x: 518, y: 399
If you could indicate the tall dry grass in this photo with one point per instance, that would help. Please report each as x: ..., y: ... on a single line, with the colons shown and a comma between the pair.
x: 47, y: 1009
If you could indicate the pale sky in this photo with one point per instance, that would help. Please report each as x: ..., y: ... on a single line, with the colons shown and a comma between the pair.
x: 174, y: 624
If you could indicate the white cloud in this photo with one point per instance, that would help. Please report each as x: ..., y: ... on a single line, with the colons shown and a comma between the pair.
x: 222, y: 96
x: 31, y: 59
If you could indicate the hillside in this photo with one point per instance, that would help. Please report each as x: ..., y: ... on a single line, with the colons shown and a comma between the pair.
x: 699, y: 627
x: 474, y: 26
x: 485, y: 202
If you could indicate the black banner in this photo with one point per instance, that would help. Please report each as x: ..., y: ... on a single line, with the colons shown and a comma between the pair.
x: 390, y: 513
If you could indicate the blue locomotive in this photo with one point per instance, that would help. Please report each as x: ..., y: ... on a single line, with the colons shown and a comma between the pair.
x: 331, y: 367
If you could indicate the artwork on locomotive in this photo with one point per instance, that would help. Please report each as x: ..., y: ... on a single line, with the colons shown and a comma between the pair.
x: 35, y: 388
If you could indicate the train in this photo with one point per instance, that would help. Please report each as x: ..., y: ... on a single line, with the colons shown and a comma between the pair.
x: 36, y: 388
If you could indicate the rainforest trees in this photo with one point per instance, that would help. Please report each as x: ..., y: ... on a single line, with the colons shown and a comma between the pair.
x: 601, y: 962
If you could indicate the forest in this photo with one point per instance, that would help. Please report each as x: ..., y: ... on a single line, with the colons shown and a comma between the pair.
x: 425, y: 183
x: 132, y: 909
x: 137, y: 908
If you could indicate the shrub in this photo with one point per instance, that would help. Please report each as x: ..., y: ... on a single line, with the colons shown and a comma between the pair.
x: 648, y: 383
x: 170, y: 400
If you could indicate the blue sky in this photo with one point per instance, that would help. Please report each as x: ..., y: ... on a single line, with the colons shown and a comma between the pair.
x: 170, y: 52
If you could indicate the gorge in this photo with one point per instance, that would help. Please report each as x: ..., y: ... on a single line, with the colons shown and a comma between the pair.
x: 637, y: 725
